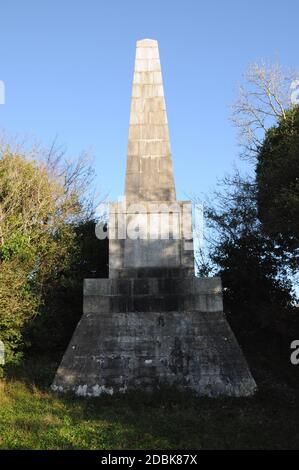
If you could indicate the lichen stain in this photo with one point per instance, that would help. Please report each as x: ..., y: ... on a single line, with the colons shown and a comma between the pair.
x: 161, y: 321
x: 97, y: 390
x: 178, y: 362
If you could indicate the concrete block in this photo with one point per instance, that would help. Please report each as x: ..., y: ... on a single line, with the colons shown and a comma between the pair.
x: 148, y: 350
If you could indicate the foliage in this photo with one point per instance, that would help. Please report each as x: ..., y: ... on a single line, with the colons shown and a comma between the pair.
x: 49, y: 333
x: 18, y: 304
x: 254, y: 220
x: 257, y: 292
x: 277, y: 177
x: 41, y: 204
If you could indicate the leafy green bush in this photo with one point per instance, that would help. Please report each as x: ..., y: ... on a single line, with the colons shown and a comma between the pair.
x: 42, y: 203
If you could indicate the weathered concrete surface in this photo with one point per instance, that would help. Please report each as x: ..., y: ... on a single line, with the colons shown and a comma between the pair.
x: 151, y: 295
x: 121, y: 351
x: 145, y: 333
x: 164, y: 239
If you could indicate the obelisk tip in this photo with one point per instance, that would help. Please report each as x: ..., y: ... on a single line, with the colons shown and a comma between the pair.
x: 147, y: 43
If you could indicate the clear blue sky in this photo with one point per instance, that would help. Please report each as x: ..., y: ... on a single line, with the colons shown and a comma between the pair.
x: 68, y: 68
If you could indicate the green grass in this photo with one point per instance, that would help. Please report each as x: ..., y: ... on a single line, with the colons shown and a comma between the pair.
x: 31, y: 417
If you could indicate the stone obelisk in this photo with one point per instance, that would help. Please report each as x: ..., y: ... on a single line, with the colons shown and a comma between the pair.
x: 152, y: 322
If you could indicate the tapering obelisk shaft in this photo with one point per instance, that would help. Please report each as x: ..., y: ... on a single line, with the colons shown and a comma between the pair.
x: 149, y: 175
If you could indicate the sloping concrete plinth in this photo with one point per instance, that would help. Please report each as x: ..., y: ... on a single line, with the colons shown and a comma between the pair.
x: 124, y: 341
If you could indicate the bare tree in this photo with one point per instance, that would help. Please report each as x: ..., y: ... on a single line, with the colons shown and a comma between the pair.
x: 264, y: 98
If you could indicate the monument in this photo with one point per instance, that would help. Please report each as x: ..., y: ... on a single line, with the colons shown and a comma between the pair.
x: 152, y: 322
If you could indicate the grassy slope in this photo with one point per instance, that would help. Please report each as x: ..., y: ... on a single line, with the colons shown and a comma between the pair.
x: 33, y: 418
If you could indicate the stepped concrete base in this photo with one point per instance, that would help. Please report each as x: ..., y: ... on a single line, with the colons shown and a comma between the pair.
x: 146, y: 333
